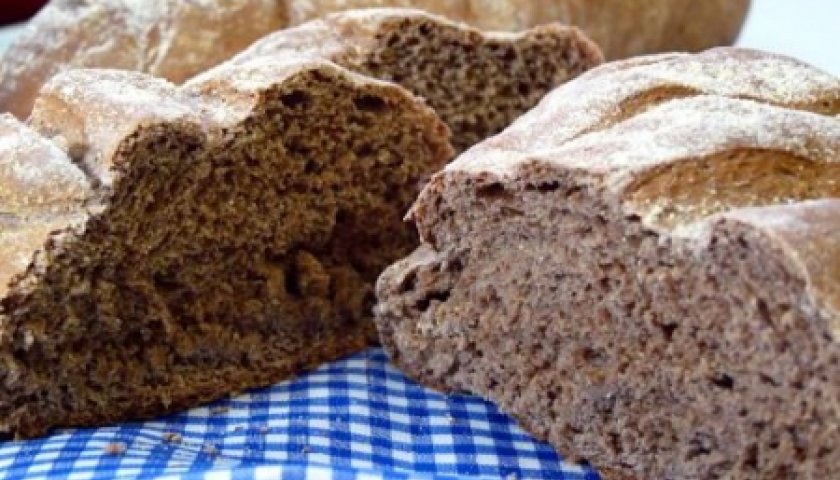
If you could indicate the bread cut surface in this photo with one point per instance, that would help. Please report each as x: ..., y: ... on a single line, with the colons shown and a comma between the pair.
x: 477, y: 82
x: 644, y: 270
x: 203, y: 240
x: 178, y: 39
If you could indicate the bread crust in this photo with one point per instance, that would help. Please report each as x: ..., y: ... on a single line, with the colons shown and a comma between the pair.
x: 176, y: 40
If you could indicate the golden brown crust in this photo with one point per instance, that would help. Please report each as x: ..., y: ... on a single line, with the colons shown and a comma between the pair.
x: 176, y: 40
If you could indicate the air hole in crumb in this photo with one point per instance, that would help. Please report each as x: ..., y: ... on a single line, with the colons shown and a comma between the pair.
x: 768, y: 380
x: 589, y: 354
x: 295, y: 99
x: 293, y: 283
x: 424, y: 303
x: 509, y: 55
x: 370, y: 103
x: 311, y: 166
x: 751, y: 457
x: 364, y: 150
x: 668, y: 330
x: 763, y: 312
x: 455, y: 265
x: 493, y: 191
x: 697, y: 451
x: 319, y: 76
x: 574, y: 192
x: 165, y: 282
x: 409, y: 282
x: 723, y: 381
x: 544, y: 187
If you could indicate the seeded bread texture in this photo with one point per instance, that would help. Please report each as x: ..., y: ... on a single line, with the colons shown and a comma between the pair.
x: 204, y: 239
x: 477, y: 82
x: 644, y: 270
x: 178, y: 39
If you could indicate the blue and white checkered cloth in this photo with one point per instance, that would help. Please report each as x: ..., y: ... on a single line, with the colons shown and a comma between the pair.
x: 356, y: 419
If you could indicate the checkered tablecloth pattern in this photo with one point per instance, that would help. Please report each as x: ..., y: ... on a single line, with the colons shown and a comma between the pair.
x: 350, y: 420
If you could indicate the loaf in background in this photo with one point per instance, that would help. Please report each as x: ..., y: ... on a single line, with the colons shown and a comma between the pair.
x: 179, y: 38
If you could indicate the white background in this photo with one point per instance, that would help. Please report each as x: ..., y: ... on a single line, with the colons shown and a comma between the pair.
x: 807, y: 29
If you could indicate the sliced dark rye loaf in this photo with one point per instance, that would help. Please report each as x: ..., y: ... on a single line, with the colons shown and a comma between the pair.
x: 644, y: 270
x: 477, y: 82
x: 204, y: 240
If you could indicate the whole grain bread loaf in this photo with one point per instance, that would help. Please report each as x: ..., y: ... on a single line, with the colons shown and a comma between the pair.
x: 180, y: 38
x: 197, y: 241
x: 644, y: 270
x: 477, y: 82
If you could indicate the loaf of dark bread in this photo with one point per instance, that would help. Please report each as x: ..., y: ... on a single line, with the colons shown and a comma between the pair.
x: 177, y: 39
x: 644, y: 270
x: 478, y: 83
x: 229, y: 231
x: 200, y: 240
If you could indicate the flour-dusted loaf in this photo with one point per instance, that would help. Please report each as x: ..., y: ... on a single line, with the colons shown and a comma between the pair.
x: 622, y: 28
x: 478, y: 83
x: 176, y: 39
x: 644, y: 270
x: 199, y: 240
x: 173, y: 39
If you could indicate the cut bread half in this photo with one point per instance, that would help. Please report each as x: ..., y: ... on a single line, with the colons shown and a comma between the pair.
x: 204, y: 240
x: 644, y: 270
